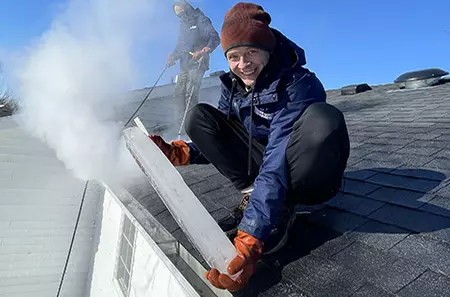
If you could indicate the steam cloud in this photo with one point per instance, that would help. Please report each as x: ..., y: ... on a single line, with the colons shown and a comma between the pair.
x: 74, y: 78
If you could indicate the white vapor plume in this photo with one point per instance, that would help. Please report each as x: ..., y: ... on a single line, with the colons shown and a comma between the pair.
x: 75, y: 77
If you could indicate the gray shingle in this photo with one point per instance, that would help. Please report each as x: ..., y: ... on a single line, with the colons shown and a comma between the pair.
x: 365, y: 133
x: 153, y: 204
x: 284, y: 288
x: 444, y: 191
x: 210, y: 183
x: 210, y: 205
x: 441, y: 128
x: 401, y: 197
x: 228, y: 197
x: 409, y: 160
x: 370, y: 290
x: 419, y: 173
x: 354, y: 144
x: 429, y: 128
x: 358, y: 187
x: 389, y: 148
x: 415, y: 220
x: 379, y: 235
x: 443, y: 153
x: 427, y: 251
x: 432, y: 143
x: 445, y: 137
x: 392, y: 141
x: 323, y: 278
x: 356, y: 139
x: 416, y: 136
x: 337, y: 220
x: 222, y: 192
x: 195, y: 176
x: 352, y: 173
x: 355, y: 204
x: 438, y: 205
x: 423, y: 151
x: 219, y: 214
x: 333, y: 246
x: 382, y: 166
x: 403, y: 182
x: 357, y: 154
x: 429, y: 284
x: 379, y: 267
x: 439, y: 164
x: 166, y: 219
x: 383, y: 129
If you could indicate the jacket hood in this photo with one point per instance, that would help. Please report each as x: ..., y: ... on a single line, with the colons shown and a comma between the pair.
x: 184, y: 4
x: 190, y: 13
x: 295, y: 54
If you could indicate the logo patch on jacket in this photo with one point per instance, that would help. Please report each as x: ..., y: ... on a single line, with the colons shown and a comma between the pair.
x: 193, y: 27
x: 264, y: 115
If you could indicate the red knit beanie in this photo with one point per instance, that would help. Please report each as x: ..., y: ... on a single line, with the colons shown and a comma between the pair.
x: 247, y: 24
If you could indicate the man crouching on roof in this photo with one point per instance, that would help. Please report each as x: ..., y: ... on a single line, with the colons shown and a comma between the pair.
x: 273, y: 135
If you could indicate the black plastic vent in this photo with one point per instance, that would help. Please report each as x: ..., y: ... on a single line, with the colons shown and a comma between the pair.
x: 421, y: 78
x: 355, y: 89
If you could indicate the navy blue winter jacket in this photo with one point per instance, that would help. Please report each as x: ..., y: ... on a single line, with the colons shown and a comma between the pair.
x: 282, y: 93
x: 196, y: 32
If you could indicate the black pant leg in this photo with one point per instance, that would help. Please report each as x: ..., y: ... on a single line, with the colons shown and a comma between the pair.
x: 317, y: 154
x: 224, y: 143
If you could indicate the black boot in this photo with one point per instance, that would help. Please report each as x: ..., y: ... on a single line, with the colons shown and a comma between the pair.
x: 279, y: 234
x: 230, y: 224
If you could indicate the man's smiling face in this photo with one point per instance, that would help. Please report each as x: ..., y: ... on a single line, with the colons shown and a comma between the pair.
x: 247, y: 63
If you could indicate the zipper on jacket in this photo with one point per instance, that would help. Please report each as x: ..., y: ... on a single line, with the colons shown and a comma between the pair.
x: 250, y: 136
x: 233, y: 86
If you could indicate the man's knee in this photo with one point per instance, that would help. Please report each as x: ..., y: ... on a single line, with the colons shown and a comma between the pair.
x: 198, y: 116
x: 319, y: 122
x: 319, y: 130
x: 318, y: 152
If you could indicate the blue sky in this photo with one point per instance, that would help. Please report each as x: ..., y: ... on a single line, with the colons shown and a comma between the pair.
x: 346, y: 42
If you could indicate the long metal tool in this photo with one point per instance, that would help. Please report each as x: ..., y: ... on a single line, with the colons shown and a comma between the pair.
x: 146, y: 96
x: 189, y: 100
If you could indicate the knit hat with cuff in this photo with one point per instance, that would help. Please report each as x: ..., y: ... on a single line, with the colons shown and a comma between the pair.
x: 247, y: 24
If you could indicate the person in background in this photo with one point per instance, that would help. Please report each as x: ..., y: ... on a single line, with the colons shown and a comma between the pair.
x: 197, y: 39
x: 272, y: 135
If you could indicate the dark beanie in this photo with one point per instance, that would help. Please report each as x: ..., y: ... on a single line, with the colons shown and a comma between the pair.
x: 247, y: 24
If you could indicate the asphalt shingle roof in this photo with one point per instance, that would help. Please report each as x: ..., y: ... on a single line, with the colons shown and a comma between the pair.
x: 387, y: 233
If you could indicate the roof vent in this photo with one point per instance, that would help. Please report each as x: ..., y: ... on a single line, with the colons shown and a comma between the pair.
x: 421, y: 78
x: 217, y: 73
x: 355, y: 89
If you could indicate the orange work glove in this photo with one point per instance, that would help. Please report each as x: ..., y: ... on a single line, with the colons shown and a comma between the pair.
x: 198, y: 54
x: 176, y: 151
x: 249, y: 250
